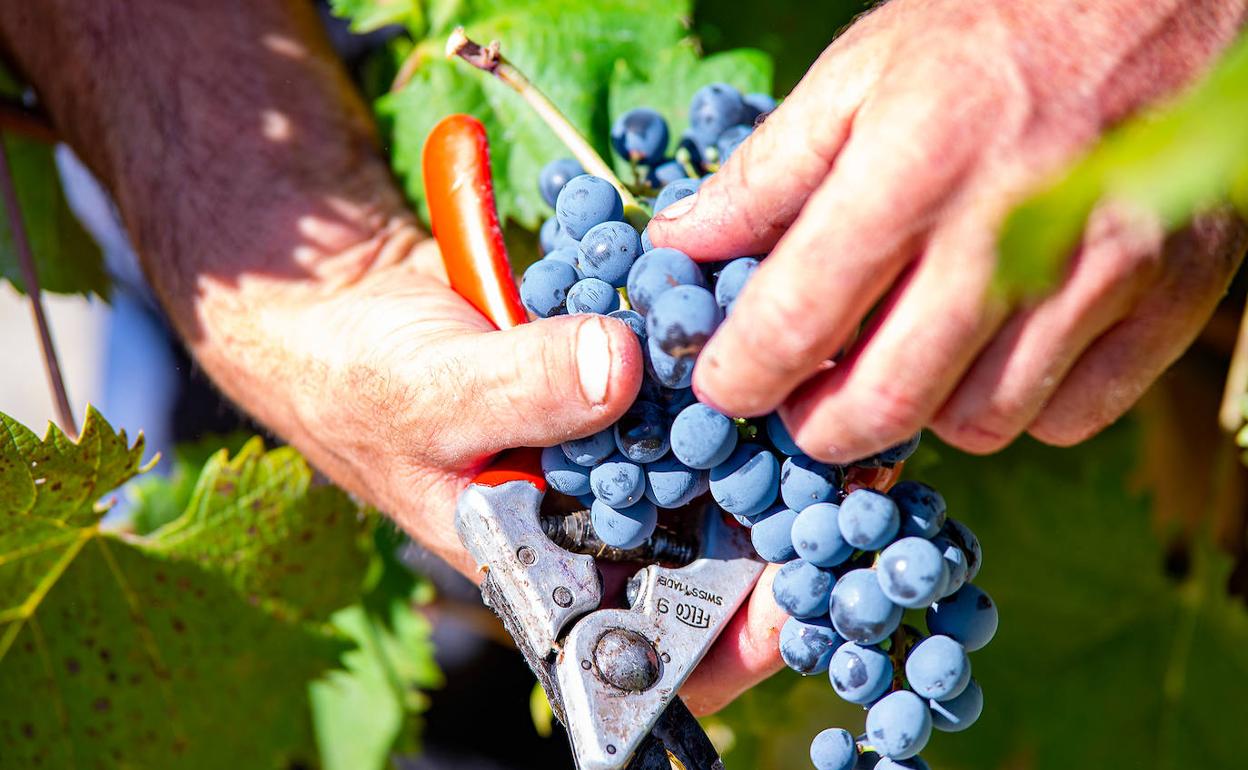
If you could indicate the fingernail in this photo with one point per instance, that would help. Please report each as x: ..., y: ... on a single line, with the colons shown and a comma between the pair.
x: 593, y: 361
x: 678, y: 209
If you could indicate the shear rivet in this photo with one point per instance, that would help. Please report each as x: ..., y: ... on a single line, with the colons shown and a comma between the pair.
x: 585, y: 664
x: 610, y: 748
x: 666, y: 658
x: 626, y: 660
x: 526, y: 556
x: 563, y: 597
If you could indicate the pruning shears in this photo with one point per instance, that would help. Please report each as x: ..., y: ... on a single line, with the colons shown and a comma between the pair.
x: 610, y: 673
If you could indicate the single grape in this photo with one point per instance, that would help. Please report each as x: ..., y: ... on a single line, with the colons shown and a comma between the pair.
x: 958, y: 713
x: 860, y: 673
x: 673, y: 400
x: 922, y: 508
x: 624, y: 527
x: 860, y: 610
x: 682, y: 319
x: 912, y: 572
x: 617, y: 481
x: 772, y: 536
x: 633, y: 320
x: 964, y: 538
x: 714, y: 108
x: 691, y: 148
x: 747, y: 482
x: 732, y: 279
x: 806, y: 646
x: 563, y: 475
x: 804, y: 482
x: 674, y: 191
x: 913, y: 763
x: 702, y: 437
x: 669, y: 371
x: 780, y: 437
x: 592, y: 295
x: 834, y: 749
x: 900, y: 452
x: 545, y: 286
x: 802, y: 590
x: 938, y: 668
x: 899, y: 725
x: 760, y: 104
x: 867, y: 760
x: 657, y: 271
x: 731, y: 139
x: 955, y: 563
x: 547, y: 234
x: 969, y: 616
x: 817, y: 536
x: 640, y: 136
x: 607, y: 252
x: 666, y: 173
x: 567, y: 256
x: 869, y: 520
x: 554, y: 175
x: 646, y: 244
x: 672, y: 484
x: 590, y: 450
x: 586, y: 201
x: 641, y: 434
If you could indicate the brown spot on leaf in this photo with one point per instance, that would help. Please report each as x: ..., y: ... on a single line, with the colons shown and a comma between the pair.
x: 28, y: 730
x: 72, y: 665
x: 178, y: 626
x: 102, y: 705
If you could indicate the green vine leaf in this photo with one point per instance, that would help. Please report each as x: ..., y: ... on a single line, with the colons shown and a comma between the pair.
x: 369, y: 15
x: 1173, y: 163
x: 135, y: 650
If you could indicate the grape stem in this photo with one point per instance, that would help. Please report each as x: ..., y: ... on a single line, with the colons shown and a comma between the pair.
x: 489, y: 58
x: 26, y: 264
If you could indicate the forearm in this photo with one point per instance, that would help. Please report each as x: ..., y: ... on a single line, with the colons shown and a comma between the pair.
x: 244, y: 164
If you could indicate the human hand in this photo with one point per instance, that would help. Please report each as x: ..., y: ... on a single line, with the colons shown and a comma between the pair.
x: 880, y: 183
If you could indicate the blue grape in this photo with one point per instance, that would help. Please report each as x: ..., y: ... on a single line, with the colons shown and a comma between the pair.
x: 586, y: 499
x: 592, y: 295
x: 566, y: 255
x: 562, y: 474
x: 590, y: 450
x: 674, y: 191
x: 666, y: 173
x: 955, y: 564
x: 817, y: 536
x: 912, y: 572
x: 641, y: 434
x: 860, y: 673
x: 692, y: 148
x: 586, y: 201
x: 834, y: 749
x: 617, y: 481
x: 802, y: 590
x: 860, y: 610
x: 547, y: 234
x: 958, y: 713
x: 899, y: 725
x: 640, y: 136
x: 669, y: 371
x: 772, y: 536
x: 938, y: 668
x: 554, y: 175
x: 760, y: 104
x: 624, y: 527
x: 780, y: 437
x: 714, y: 108
x: 922, y: 508
x: 869, y: 520
x: 682, y: 319
x: 804, y: 482
x: 731, y: 139
x: 747, y: 482
x: 732, y: 280
x: 913, y: 763
x: 545, y: 286
x: 867, y: 760
x: 633, y: 320
x: 607, y: 252
x: 964, y: 538
x: 900, y: 452
x: 657, y: 271
x: 969, y: 616
x: 702, y: 437
x: 646, y: 244
x: 672, y: 484
x: 807, y: 645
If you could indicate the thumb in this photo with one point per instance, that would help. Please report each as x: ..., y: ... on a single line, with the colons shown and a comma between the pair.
x: 747, y: 205
x: 543, y: 382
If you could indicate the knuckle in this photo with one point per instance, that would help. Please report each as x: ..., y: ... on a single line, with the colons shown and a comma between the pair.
x: 888, y: 413
x: 977, y: 435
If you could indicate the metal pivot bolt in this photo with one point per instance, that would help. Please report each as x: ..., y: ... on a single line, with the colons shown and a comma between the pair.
x: 626, y: 660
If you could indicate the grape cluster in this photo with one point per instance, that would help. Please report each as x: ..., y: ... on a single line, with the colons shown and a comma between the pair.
x: 855, y: 554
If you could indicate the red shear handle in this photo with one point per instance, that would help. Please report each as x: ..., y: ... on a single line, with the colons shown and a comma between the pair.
x: 460, y: 191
